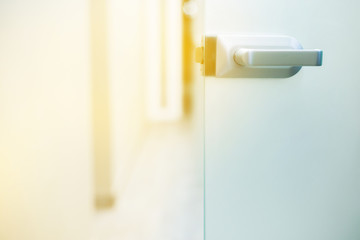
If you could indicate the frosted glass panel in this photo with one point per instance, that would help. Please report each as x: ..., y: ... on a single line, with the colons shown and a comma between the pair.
x: 282, y: 156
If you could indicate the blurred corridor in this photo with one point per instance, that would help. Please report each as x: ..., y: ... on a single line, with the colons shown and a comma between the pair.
x: 101, y: 120
x: 163, y: 197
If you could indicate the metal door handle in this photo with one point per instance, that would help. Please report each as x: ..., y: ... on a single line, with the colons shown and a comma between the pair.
x: 254, y: 56
x: 278, y: 57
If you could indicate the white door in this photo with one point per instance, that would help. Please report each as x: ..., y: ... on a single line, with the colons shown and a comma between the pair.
x: 282, y: 155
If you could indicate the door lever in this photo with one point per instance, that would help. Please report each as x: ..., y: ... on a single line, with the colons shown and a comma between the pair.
x: 254, y: 56
x: 278, y: 57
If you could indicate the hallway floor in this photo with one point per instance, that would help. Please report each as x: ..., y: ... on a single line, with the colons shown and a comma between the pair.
x: 163, y: 199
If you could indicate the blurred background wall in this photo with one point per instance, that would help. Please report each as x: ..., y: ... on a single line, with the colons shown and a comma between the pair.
x: 100, y: 120
x: 45, y: 121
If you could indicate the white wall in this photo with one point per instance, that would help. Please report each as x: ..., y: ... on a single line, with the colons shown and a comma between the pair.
x: 45, y: 157
x: 126, y: 74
